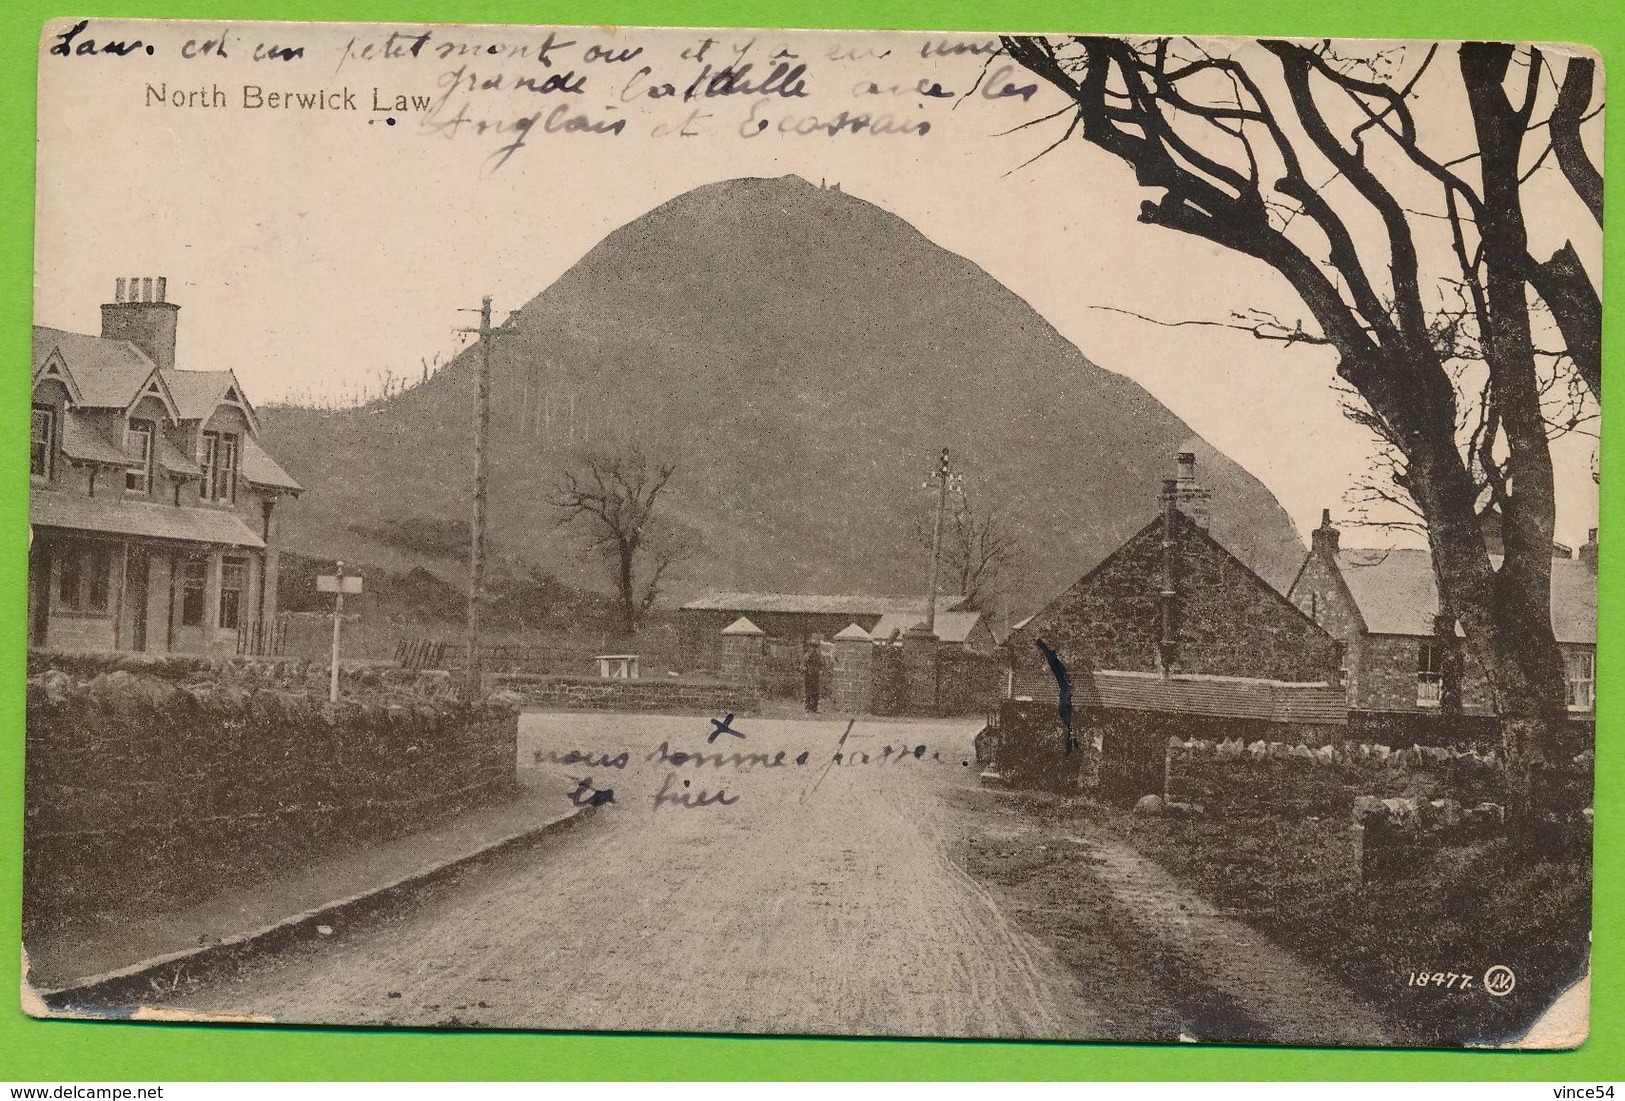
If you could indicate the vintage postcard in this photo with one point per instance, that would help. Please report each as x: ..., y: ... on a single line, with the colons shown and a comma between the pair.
x: 770, y: 532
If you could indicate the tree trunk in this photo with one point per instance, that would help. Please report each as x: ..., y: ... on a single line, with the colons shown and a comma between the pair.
x: 626, y: 585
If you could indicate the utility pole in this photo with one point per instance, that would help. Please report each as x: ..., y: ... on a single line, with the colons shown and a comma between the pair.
x: 476, y: 548
x: 942, y: 477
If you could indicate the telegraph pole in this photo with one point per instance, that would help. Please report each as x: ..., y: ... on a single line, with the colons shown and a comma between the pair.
x: 941, y: 477
x: 476, y: 548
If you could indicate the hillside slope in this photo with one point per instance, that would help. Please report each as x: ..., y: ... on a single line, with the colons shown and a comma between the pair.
x: 801, y: 355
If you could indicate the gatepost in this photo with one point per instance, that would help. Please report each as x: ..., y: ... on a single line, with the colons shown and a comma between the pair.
x: 854, y: 671
x: 743, y: 644
x: 919, y: 671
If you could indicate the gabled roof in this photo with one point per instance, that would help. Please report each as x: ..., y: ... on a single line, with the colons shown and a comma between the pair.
x: 1220, y: 697
x: 111, y: 516
x: 1396, y: 593
x: 105, y: 374
x: 199, y: 393
x: 818, y: 604
x: 258, y: 468
x: 950, y: 626
x: 1195, y: 530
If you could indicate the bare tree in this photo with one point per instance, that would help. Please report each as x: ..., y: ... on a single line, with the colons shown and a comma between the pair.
x: 612, y: 495
x: 979, y: 551
x: 1313, y: 162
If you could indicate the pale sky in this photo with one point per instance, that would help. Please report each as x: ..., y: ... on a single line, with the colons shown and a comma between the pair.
x: 313, y: 250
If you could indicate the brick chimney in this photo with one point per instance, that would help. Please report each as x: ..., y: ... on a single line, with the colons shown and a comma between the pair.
x: 1588, y: 550
x: 1193, y: 499
x: 1324, y: 539
x: 139, y: 314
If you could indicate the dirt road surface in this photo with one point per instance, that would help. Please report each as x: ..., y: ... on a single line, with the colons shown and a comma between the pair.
x: 812, y: 897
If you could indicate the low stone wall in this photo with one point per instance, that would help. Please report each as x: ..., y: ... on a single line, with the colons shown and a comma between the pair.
x: 668, y: 694
x: 143, y: 793
x: 1235, y: 777
x: 358, y: 680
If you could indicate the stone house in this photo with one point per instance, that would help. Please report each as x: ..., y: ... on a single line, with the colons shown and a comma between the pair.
x: 1170, y: 635
x: 1409, y: 678
x: 152, y: 504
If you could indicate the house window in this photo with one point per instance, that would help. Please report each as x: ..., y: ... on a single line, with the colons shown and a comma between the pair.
x: 219, y: 467
x: 194, y: 575
x: 42, y: 444
x: 1429, y: 674
x: 84, y: 578
x: 1580, y: 677
x: 138, y: 444
x: 233, y: 580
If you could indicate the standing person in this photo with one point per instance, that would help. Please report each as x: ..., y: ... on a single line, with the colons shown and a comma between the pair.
x: 811, y: 668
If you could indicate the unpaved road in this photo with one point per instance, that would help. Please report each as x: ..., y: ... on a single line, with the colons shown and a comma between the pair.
x: 820, y: 898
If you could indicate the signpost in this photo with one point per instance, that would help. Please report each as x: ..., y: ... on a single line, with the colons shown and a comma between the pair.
x: 339, y: 585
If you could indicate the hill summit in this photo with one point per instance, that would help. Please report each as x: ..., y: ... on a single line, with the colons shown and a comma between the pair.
x: 801, y: 355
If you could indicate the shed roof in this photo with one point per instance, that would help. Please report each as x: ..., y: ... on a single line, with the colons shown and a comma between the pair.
x: 83, y: 441
x: 173, y: 459
x: 260, y: 469
x: 140, y: 518
x: 1219, y: 697
x: 1396, y: 593
x: 817, y: 603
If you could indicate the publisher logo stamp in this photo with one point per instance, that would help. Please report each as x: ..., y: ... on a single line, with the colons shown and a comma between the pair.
x: 1499, y: 981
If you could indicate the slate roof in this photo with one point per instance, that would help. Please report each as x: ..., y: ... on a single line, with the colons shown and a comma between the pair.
x: 950, y: 626
x: 817, y: 603
x: 82, y: 440
x: 141, y: 518
x: 1397, y: 595
x: 108, y: 373
x: 1219, y: 697
x: 260, y: 469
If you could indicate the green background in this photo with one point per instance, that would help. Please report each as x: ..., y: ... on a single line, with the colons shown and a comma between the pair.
x: 61, y: 1051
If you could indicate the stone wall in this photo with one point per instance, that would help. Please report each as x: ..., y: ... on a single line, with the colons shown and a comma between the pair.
x: 968, y: 683
x: 664, y: 694
x: 1235, y: 777
x: 142, y: 792
x: 358, y: 680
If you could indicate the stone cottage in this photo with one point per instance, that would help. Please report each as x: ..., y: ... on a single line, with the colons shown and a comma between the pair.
x: 1408, y: 676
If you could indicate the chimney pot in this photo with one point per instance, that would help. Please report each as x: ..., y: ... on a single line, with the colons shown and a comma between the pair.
x: 141, y: 314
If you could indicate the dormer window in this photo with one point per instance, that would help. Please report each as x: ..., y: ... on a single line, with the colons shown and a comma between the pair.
x: 42, y: 443
x: 138, y: 445
x: 220, y: 467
